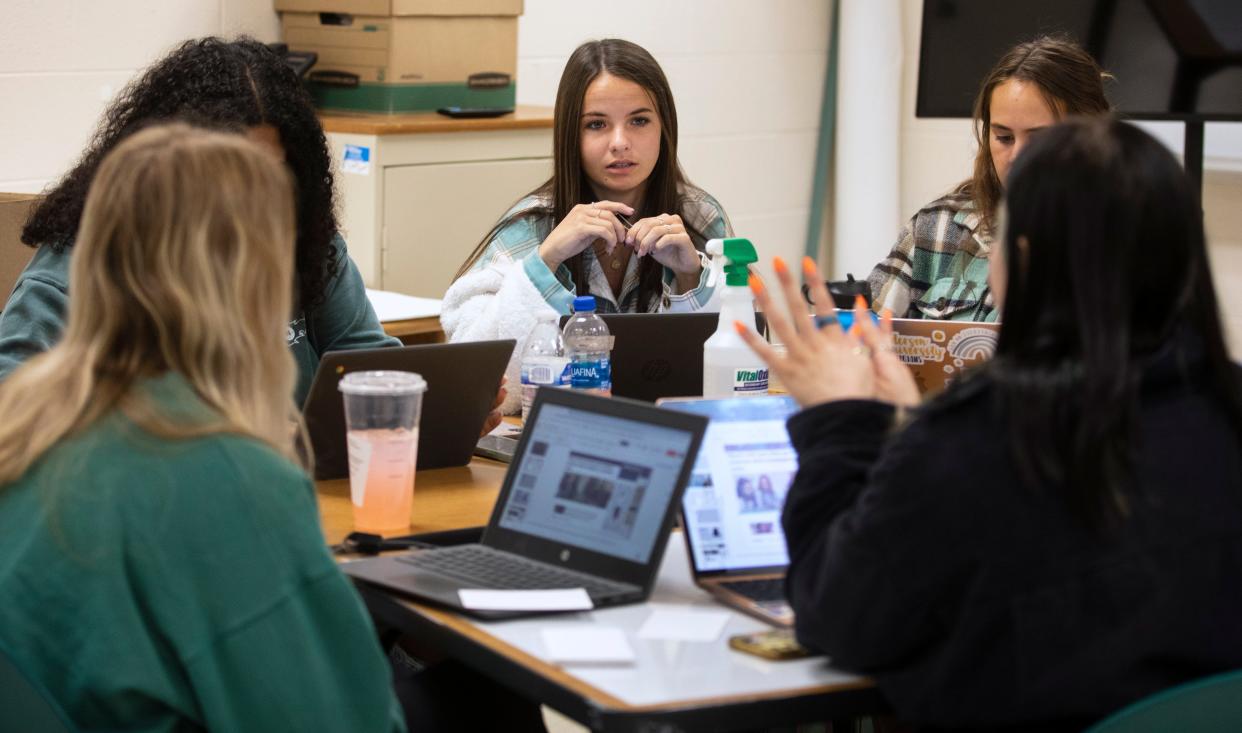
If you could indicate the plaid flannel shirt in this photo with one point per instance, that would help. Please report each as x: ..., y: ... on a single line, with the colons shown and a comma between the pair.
x: 939, y: 267
x: 519, y: 241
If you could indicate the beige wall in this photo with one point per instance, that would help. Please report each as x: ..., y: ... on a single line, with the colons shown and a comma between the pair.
x: 61, y: 61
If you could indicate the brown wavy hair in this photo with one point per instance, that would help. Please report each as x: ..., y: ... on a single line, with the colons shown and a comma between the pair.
x: 183, y: 264
x: 1071, y: 83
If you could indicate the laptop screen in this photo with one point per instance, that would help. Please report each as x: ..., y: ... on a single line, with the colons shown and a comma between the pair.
x: 732, y: 507
x: 599, y: 482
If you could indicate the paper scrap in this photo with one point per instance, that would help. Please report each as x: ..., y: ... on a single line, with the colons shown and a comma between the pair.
x: 391, y: 306
x: 568, y: 599
x: 683, y: 624
x: 587, y: 644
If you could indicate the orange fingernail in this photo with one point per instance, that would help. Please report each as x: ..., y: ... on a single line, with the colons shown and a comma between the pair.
x: 886, y: 314
x: 860, y: 302
x: 739, y: 327
x: 756, y: 285
x: 779, y: 266
x: 808, y: 266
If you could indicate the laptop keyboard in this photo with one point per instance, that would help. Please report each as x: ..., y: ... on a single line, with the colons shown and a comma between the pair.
x: 764, y: 590
x: 484, y: 567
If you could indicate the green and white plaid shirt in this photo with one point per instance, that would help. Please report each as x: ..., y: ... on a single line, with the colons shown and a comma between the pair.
x: 520, y: 239
x: 939, y: 266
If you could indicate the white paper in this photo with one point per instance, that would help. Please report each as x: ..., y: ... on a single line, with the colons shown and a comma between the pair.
x: 681, y: 623
x: 587, y: 644
x: 391, y: 306
x: 571, y: 599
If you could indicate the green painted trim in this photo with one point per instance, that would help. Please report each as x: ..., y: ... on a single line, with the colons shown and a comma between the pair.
x: 823, y: 150
x: 409, y: 97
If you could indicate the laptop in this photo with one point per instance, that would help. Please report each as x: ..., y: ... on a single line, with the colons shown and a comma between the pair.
x: 462, y: 381
x: 937, y: 352
x: 731, y: 511
x: 659, y: 355
x: 587, y: 502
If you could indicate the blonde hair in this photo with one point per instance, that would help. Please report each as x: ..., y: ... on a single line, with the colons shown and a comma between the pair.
x: 183, y: 264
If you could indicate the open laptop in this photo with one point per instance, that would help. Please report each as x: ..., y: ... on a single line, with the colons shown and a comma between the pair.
x: 659, y: 355
x: 731, y: 511
x: 587, y: 502
x: 937, y: 352
x: 462, y: 381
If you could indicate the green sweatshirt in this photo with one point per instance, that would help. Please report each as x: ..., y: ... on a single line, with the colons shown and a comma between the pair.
x: 34, y: 316
x: 152, y: 584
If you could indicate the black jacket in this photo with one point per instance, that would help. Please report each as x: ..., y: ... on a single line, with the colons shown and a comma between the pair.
x: 919, y: 558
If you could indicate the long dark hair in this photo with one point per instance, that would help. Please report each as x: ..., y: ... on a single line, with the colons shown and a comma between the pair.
x: 1071, y: 83
x: 569, y: 185
x: 1111, y: 272
x: 230, y: 85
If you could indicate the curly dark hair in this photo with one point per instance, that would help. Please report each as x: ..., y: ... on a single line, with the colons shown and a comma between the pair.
x: 230, y: 85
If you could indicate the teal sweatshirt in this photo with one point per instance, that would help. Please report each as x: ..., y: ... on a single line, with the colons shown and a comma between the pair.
x: 34, y: 316
x: 152, y: 584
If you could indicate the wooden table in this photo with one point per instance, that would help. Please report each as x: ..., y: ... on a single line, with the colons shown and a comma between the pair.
x: 444, y: 498
x: 416, y: 330
x: 454, y: 498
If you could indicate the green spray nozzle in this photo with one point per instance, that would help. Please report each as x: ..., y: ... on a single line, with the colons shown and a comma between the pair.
x: 732, y: 257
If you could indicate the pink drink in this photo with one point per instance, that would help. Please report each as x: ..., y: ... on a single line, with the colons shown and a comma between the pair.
x: 381, y: 430
x: 381, y: 477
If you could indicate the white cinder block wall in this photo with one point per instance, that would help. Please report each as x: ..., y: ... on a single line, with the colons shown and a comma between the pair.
x: 747, y: 77
x: 61, y: 61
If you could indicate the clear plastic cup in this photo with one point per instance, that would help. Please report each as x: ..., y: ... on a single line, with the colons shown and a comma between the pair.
x: 381, y: 429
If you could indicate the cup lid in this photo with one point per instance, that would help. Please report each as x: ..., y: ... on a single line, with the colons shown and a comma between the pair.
x: 382, y: 383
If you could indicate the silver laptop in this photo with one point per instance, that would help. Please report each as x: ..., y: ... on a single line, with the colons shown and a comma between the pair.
x: 731, y: 510
x: 587, y: 502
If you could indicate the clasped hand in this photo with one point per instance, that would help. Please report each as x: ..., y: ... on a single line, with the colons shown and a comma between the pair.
x: 664, y: 237
x: 826, y: 364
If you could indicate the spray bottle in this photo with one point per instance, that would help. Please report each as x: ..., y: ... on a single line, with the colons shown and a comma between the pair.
x: 730, y: 368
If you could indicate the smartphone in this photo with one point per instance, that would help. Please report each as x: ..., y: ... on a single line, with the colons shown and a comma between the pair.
x: 467, y: 112
x: 496, y: 447
x: 772, y: 644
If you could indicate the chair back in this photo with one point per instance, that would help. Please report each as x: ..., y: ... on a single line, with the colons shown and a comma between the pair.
x: 1207, y: 705
x: 13, y: 254
x: 25, y: 707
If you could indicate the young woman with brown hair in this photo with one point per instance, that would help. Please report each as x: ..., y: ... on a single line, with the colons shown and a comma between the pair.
x: 164, y: 566
x: 938, y: 268
x: 617, y: 219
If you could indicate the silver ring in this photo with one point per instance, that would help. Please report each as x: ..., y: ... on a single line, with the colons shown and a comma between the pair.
x: 594, y: 210
x: 667, y: 228
x: 861, y: 350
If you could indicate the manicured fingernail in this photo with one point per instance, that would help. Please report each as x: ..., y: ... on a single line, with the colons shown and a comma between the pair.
x: 860, y: 302
x: 808, y: 266
x: 779, y: 266
x: 756, y: 285
x: 886, y: 314
x: 739, y: 327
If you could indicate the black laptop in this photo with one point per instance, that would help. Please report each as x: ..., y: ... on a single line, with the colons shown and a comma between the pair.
x: 588, y: 503
x: 658, y: 355
x: 462, y: 381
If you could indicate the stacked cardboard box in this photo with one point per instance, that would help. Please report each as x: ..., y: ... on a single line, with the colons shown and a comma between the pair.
x: 407, y: 55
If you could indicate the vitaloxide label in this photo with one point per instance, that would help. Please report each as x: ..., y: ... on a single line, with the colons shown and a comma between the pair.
x: 750, y: 380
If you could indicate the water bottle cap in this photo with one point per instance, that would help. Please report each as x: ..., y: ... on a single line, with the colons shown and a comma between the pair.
x: 584, y: 304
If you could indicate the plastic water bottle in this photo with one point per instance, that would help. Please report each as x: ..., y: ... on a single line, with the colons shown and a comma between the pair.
x: 543, y: 362
x: 589, y: 347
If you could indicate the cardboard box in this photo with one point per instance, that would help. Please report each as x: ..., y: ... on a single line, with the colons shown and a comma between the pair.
x: 408, y: 54
x: 14, y: 207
